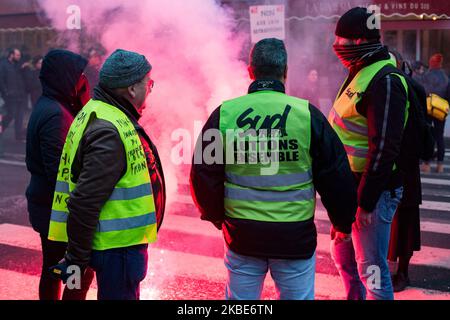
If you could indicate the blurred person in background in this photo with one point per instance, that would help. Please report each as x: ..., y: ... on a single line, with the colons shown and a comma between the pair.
x: 419, y: 70
x: 310, y: 90
x: 95, y: 58
x: 32, y: 82
x: 405, y: 228
x: 13, y: 91
x: 436, y: 81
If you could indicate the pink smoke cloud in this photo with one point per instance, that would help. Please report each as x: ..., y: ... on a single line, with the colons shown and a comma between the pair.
x: 194, y: 53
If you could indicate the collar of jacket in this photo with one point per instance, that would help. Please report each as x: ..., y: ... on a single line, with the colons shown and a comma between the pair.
x: 267, y: 85
x: 105, y: 95
x: 383, y: 54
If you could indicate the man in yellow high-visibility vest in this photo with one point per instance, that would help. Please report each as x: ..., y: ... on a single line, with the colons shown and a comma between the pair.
x: 267, y: 216
x: 109, y: 197
x: 369, y: 116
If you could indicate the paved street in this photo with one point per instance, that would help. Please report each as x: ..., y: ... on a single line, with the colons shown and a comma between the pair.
x: 186, y: 262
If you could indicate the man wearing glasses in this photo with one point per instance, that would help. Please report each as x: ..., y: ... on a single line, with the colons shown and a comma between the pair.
x: 110, y: 195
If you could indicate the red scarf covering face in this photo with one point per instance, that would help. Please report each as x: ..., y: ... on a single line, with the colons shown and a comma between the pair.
x: 351, y: 55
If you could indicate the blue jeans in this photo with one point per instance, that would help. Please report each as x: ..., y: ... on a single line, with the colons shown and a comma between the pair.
x: 362, y: 262
x: 120, y: 271
x: 294, y: 279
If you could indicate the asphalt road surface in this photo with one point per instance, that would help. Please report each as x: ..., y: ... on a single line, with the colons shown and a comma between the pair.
x: 187, y: 260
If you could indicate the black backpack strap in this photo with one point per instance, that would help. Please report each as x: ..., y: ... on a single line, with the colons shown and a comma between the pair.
x: 418, y: 112
x: 388, y: 69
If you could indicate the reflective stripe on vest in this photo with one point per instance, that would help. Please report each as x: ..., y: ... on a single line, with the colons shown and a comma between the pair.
x: 350, y: 126
x: 128, y: 217
x: 273, y: 196
x: 356, y: 152
x: 117, y: 194
x: 288, y: 195
x: 114, y: 224
x: 279, y: 180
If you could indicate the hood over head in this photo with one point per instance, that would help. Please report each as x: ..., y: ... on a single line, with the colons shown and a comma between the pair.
x: 61, y: 77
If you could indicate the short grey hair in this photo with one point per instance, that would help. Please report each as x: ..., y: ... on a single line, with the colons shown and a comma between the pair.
x: 268, y: 59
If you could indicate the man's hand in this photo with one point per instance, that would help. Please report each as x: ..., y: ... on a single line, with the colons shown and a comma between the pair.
x: 363, y: 218
x: 339, y: 237
x: 343, y: 237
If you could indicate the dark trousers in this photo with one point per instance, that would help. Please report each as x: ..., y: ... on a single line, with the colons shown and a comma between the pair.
x: 405, y: 232
x: 49, y: 287
x: 438, y: 132
x: 15, y: 110
x: 120, y: 271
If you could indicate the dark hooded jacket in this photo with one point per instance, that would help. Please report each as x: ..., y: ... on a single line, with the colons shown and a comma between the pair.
x: 436, y: 81
x: 12, y: 84
x: 47, y: 129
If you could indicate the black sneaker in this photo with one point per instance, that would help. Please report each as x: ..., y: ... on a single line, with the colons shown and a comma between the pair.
x: 400, y: 282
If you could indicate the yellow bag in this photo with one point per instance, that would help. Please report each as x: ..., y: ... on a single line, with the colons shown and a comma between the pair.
x: 437, y: 107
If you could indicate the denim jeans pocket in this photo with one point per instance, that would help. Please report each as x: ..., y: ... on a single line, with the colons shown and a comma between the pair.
x: 388, y: 207
x: 234, y: 260
x: 297, y: 265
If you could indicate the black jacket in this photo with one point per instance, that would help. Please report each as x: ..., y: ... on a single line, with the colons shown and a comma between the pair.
x: 33, y: 85
x: 12, y: 82
x: 436, y: 81
x: 99, y: 164
x: 297, y: 240
x: 383, y: 104
x: 47, y: 129
x: 409, y: 161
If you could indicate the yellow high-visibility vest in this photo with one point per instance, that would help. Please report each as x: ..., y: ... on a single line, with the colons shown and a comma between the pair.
x: 128, y: 217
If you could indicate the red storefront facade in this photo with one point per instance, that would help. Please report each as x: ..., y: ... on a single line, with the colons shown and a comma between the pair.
x: 23, y: 25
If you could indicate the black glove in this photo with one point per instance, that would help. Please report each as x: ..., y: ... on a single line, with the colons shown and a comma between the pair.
x: 60, y: 271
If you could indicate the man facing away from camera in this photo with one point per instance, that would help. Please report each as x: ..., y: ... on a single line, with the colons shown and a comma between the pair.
x: 267, y: 216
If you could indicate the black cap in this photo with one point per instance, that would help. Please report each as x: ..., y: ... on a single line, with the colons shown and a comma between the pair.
x: 353, y: 25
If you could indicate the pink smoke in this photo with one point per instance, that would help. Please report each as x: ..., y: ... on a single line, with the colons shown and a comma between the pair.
x: 193, y: 52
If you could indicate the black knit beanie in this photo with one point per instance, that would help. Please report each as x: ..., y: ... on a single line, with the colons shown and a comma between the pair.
x: 353, y: 25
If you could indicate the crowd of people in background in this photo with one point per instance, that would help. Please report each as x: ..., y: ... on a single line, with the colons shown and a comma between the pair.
x: 435, y: 81
x: 20, y: 86
x: 13, y: 89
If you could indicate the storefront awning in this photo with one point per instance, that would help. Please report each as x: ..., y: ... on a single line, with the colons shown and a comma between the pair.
x: 390, y: 9
x: 21, y: 14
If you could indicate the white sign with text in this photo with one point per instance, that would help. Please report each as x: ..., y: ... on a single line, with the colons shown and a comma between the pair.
x: 267, y: 22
